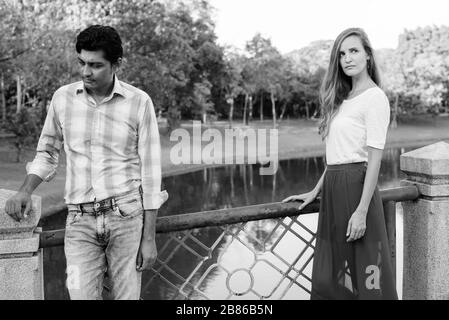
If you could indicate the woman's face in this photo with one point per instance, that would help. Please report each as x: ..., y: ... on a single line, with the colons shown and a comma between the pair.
x: 353, y: 57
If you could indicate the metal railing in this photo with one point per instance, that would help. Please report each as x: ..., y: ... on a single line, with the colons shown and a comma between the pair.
x: 256, y: 252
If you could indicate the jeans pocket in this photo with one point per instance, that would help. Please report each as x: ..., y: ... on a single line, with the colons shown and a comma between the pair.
x: 129, y: 209
x: 73, y: 216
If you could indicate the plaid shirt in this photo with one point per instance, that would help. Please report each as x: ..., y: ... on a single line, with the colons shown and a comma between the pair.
x: 112, y: 147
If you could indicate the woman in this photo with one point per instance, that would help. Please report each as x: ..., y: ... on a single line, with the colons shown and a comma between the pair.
x: 352, y: 257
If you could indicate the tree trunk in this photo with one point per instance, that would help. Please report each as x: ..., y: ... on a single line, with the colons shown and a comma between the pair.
x: 244, y: 109
x: 261, y: 106
x: 24, y: 90
x: 394, y: 122
x: 284, y: 108
x: 69, y: 65
x: 307, y: 110
x: 2, y: 89
x: 273, y: 108
x: 250, y: 116
x: 44, y: 110
x: 19, y: 155
x: 19, y: 93
x: 19, y: 151
x: 231, y: 111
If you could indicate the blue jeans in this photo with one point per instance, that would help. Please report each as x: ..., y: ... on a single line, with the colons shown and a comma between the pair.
x: 104, y: 239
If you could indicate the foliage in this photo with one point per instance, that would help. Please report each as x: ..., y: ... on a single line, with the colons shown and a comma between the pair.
x: 171, y: 52
x: 23, y: 126
x: 417, y: 70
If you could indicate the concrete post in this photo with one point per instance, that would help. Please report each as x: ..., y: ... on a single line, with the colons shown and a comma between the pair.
x: 21, y: 260
x: 426, y: 224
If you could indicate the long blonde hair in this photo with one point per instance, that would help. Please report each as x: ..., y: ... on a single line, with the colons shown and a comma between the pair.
x: 336, y: 84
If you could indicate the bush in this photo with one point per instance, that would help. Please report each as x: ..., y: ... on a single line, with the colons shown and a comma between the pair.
x: 24, y: 126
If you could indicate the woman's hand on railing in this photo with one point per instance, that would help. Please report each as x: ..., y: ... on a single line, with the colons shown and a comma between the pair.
x: 307, y: 198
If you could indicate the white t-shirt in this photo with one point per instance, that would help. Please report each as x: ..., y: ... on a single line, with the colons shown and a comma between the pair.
x: 360, y: 122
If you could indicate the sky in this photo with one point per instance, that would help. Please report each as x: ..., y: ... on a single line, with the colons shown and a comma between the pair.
x: 293, y: 24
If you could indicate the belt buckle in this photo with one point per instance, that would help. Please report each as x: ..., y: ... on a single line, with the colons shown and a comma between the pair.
x: 107, y: 203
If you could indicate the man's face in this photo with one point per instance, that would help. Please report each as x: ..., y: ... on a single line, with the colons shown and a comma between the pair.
x: 97, y: 72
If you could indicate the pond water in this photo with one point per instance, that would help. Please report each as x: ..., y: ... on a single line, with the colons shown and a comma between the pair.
x: 227, y: 187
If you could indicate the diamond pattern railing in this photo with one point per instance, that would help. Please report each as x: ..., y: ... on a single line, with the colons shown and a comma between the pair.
x: 264, y: 259
x: 257, y: 252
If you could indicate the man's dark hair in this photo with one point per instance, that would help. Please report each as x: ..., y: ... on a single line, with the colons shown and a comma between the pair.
x: 103, y: 38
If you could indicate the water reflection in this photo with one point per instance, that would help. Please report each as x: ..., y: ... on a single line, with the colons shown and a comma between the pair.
x: 271, y: 248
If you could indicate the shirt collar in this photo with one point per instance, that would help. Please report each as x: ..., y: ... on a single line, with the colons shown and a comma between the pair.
x: 118, y: 88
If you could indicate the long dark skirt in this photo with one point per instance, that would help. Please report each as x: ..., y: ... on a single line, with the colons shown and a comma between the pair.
x: 356, y: 270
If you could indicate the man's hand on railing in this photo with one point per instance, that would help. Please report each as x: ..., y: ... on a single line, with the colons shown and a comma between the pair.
x: 308, y: 198
x: 16, y: 203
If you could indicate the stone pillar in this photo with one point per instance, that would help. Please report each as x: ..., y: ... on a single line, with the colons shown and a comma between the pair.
x: 21, y: 260
x: 426, y: 224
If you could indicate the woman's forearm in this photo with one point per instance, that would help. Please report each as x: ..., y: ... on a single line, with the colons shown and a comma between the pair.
x: 319, y: 185
x: 371, y: 177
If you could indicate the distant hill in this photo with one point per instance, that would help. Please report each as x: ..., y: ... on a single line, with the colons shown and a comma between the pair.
x: 317, y: 54
x: 309, y: 59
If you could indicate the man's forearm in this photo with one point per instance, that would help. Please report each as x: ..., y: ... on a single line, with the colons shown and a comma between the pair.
x: 149, y: 225
x: 30, y: 184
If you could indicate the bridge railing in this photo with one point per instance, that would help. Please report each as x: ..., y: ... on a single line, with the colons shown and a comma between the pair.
x: 256, y: 252
x: 262, y: 251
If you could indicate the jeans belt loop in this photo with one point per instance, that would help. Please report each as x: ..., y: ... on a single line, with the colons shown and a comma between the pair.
x: 113, y: 203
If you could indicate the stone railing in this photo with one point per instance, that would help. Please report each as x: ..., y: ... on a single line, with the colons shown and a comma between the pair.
x: 426, y: 223
x: 21, y: 260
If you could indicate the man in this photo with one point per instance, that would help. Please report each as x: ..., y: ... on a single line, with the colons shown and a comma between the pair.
x: 110, y: 135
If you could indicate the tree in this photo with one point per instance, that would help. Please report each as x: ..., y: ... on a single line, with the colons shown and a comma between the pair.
x: 172, y: 52
x: 232, y: 80
x: 268, y: 65
x: 249, y: 85
x: 393, y: 79
x: 310, y: 59
x: 23, y: 125
x: 41, y: 56
x: 423, y: 55
x: 201, y: 99
x: 310, y: 64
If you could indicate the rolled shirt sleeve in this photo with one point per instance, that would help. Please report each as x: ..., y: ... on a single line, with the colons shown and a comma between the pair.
x: 48, y: 148
x: 149, y: 150
x: 377, y: 119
